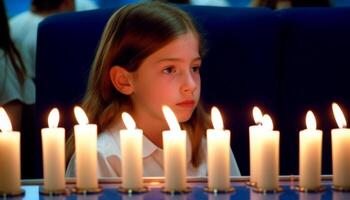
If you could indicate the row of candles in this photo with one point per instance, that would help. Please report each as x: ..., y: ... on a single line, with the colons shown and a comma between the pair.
x: 264, y: 154
x: 53, y: 145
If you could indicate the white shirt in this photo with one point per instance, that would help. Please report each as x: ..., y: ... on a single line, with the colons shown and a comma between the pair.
x: 24, y: 31
x: 10, y: 87
x: 109, y: 154
x: 81, y: 5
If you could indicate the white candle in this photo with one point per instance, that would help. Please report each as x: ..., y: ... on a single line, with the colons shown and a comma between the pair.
x: 268, y: 162
x: 340, y: 150
x: 86, y: 151
x: 310, y: 154
x: 131, y: 154
x: 10, y: 171
x: 254, y: 132
x: 218, y: 144
x: 53, y: 141
x: 174, y: 146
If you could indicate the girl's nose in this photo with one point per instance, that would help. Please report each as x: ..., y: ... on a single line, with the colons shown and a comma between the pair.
x: 189, y: 83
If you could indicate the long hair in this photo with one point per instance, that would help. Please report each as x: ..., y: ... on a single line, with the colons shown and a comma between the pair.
x: 132, y: 34
x: 7, y: 45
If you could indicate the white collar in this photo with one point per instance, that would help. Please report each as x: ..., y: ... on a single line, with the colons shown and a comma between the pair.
x: 148, y: 146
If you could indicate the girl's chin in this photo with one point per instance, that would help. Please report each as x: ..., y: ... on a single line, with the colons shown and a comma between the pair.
x: 184, y: 117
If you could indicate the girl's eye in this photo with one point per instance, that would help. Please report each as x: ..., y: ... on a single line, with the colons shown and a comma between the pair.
x: 195, y: 69
x: 169, y: 70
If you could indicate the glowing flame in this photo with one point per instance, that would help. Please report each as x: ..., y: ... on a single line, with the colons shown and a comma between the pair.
x: 5, y: 123
x: 267, y: 122
x: 339, y: 115
x: 80, y: 115
x: 53, y: 118
x: 171, y: 119
x: 216, y: 119
x: 257, y: 115
x: 128, y: 121
x: 310, y: 120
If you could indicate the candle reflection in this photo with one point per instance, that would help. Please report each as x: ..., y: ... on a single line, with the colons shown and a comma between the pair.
x: 219, y: 196
x: 176, y: 197
x: 263, y: 196
x: 132, y: 197
x: 340, y: 195
x: 309, y: 196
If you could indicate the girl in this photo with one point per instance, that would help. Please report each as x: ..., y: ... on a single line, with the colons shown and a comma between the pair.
x: 17, y: 90
x: 149, y: 55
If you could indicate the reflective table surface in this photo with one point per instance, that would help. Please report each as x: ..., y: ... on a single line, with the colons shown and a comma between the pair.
x: 197, y: 186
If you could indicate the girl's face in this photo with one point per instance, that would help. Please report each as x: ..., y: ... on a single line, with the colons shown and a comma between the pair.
x: 169, y: 76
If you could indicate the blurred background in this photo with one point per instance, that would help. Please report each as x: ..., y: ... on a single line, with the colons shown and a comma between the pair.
x: 15, y: 7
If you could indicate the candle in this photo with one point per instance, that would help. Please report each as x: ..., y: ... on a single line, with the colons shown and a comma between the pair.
x: 53, y: 141
x: 131, y: 154
x: 174, y: 146
x: 218, y: 144
x: 268, y: 151
x: 340, y: 150
x: 254, y: 132
x: 10, y: 172
x: 310, y: 151
x: 86, y: 151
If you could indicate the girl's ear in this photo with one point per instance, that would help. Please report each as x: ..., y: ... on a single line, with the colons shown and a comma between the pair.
x: 120, y: 78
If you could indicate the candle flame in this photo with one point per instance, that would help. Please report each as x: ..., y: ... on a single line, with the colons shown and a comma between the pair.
x: 339, y: 115
x: 267, y: 122
x: 216, y: 119
x: 128, y: 121
x: 80, y: 115
x: 310, y: 120
x: 171, y: 119
x: 5, y: 123
x: 257, y: 115
x: 53, y: 118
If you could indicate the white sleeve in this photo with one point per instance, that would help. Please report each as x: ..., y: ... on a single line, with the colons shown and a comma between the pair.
x: 107, y: 147
x: 70, y: 171
x: 104, y: 169
x: 234, y: 167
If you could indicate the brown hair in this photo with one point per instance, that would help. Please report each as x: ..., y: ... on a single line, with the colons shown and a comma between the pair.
x: 132, y: 34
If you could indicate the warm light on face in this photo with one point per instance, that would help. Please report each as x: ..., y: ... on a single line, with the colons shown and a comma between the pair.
x: 216, y: 119
x: 310, y: 120
x: 267, y: 122
x: 257, y: 115
x: 171, y: 119
x: 5, y: 123
x: 128, y: 121
x: 53, y: 118
x: 80, y: 115
x: 339, y: 115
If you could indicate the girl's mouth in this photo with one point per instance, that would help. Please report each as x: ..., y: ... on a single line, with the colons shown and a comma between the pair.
x: 187, y: 103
